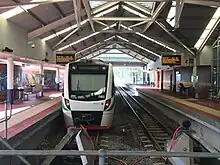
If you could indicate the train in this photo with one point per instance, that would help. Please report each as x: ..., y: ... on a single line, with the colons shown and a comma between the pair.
x: 88, y: 98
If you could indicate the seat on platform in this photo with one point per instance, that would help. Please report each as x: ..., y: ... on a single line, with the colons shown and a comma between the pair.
x: 37, y: 89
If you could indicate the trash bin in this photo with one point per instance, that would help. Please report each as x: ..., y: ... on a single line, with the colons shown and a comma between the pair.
x: 210, y: 92
x: 20, y: 93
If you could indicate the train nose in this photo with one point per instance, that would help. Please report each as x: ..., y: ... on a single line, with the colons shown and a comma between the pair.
x: 87, y: 117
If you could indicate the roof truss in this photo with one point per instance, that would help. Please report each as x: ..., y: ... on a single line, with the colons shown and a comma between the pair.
x: 133, y: 18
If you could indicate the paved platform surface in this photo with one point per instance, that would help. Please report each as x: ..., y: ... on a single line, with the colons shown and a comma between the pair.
x: 205, y: 102
x: 20, y: 105
x: 26, y: 116
x: 205, y: 110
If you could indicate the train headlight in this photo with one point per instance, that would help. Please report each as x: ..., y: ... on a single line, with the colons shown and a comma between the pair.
x: 107, y: 104
x: 67, y: 103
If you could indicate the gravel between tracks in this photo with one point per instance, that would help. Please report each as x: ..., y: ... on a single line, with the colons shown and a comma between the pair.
x: 123, y: 134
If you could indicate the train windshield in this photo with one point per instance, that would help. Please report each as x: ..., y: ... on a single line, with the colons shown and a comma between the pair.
x: 88, y: 86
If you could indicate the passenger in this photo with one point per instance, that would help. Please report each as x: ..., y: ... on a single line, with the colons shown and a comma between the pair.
x: 181, y: 88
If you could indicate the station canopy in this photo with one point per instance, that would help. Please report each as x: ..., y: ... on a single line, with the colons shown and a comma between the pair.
x: 142, y: 29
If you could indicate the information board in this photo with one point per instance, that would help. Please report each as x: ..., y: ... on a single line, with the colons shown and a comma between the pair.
x: 64, y: 58
x: 171, y: 60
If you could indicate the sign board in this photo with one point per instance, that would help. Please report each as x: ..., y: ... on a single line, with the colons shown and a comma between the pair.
x: 171, y: 60
x: 194, y: 78
x: 185, y: 60
x: 64, y: 58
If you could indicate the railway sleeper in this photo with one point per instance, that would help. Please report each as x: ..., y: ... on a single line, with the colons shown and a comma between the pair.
x: 154, y: 128
x: 146, y: 141
x: 159, y: 135
x: 150, y: 150
x: 148, y: 145
x: 159, y: 163
x: 141, y: 134
x: 104, y: 141
x: 104, y: 146
x: 161, y: 143
x: 162, y: 138
x: 158, y: 131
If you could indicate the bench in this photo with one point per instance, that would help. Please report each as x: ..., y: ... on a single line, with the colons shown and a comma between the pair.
x: 37, y: 89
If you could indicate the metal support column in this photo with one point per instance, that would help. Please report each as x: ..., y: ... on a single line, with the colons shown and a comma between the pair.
x: 195, y: 78
x: 101, y: 157
x: 217, y: 71
x: 161, y: 82
x: 179, y: 8
x: 41, y: 69
x: 10, y: 80
x: 144, y: 74
x: 58, y: 79
x: 174, y: 79
x: 171, y: 81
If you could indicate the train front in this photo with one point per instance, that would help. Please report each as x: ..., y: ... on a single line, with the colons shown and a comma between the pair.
x: 86, y: 96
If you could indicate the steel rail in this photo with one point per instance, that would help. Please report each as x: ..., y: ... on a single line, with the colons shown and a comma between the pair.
x: 197, y: 124
x: 140, y: 120
x: 153, y: 117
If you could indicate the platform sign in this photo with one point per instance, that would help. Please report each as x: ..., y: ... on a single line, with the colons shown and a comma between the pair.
x: 185, y: 60
x: 64, y: 58
x: 171, y: 60
x: 194, y: 78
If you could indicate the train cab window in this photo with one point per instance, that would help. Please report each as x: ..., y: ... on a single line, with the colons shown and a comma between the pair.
x: 88, y: 86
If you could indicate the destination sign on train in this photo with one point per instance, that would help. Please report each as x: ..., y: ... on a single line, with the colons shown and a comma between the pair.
x: 171, y: 60
x: 64, y: 58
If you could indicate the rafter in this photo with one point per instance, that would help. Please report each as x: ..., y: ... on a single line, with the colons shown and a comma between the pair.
x: 141, y: 46
x: 140, y: 52
x: 121, y: 19
x: 86, y: 35
x: 53, y: 25
x: 139, y: 7
x: 94, y: 50
x: 130, y: 54
x: 155, y: 40
x: 89, y: 44
x: 211, y: 3
x: 75, y: 2
x: 157, y: 12
x: 105, y: 48
x: 88, y: 12
x: 174, y: 37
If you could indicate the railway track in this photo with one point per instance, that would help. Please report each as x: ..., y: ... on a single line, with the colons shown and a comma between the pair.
x: 152, y: 133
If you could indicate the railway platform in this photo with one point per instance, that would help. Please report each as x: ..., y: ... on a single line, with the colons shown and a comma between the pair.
x: 24, y: 114
x: 204, y: 115
x: 201, y: 107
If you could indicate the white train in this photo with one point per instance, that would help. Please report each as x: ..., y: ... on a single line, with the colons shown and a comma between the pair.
x: 89, y: 94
